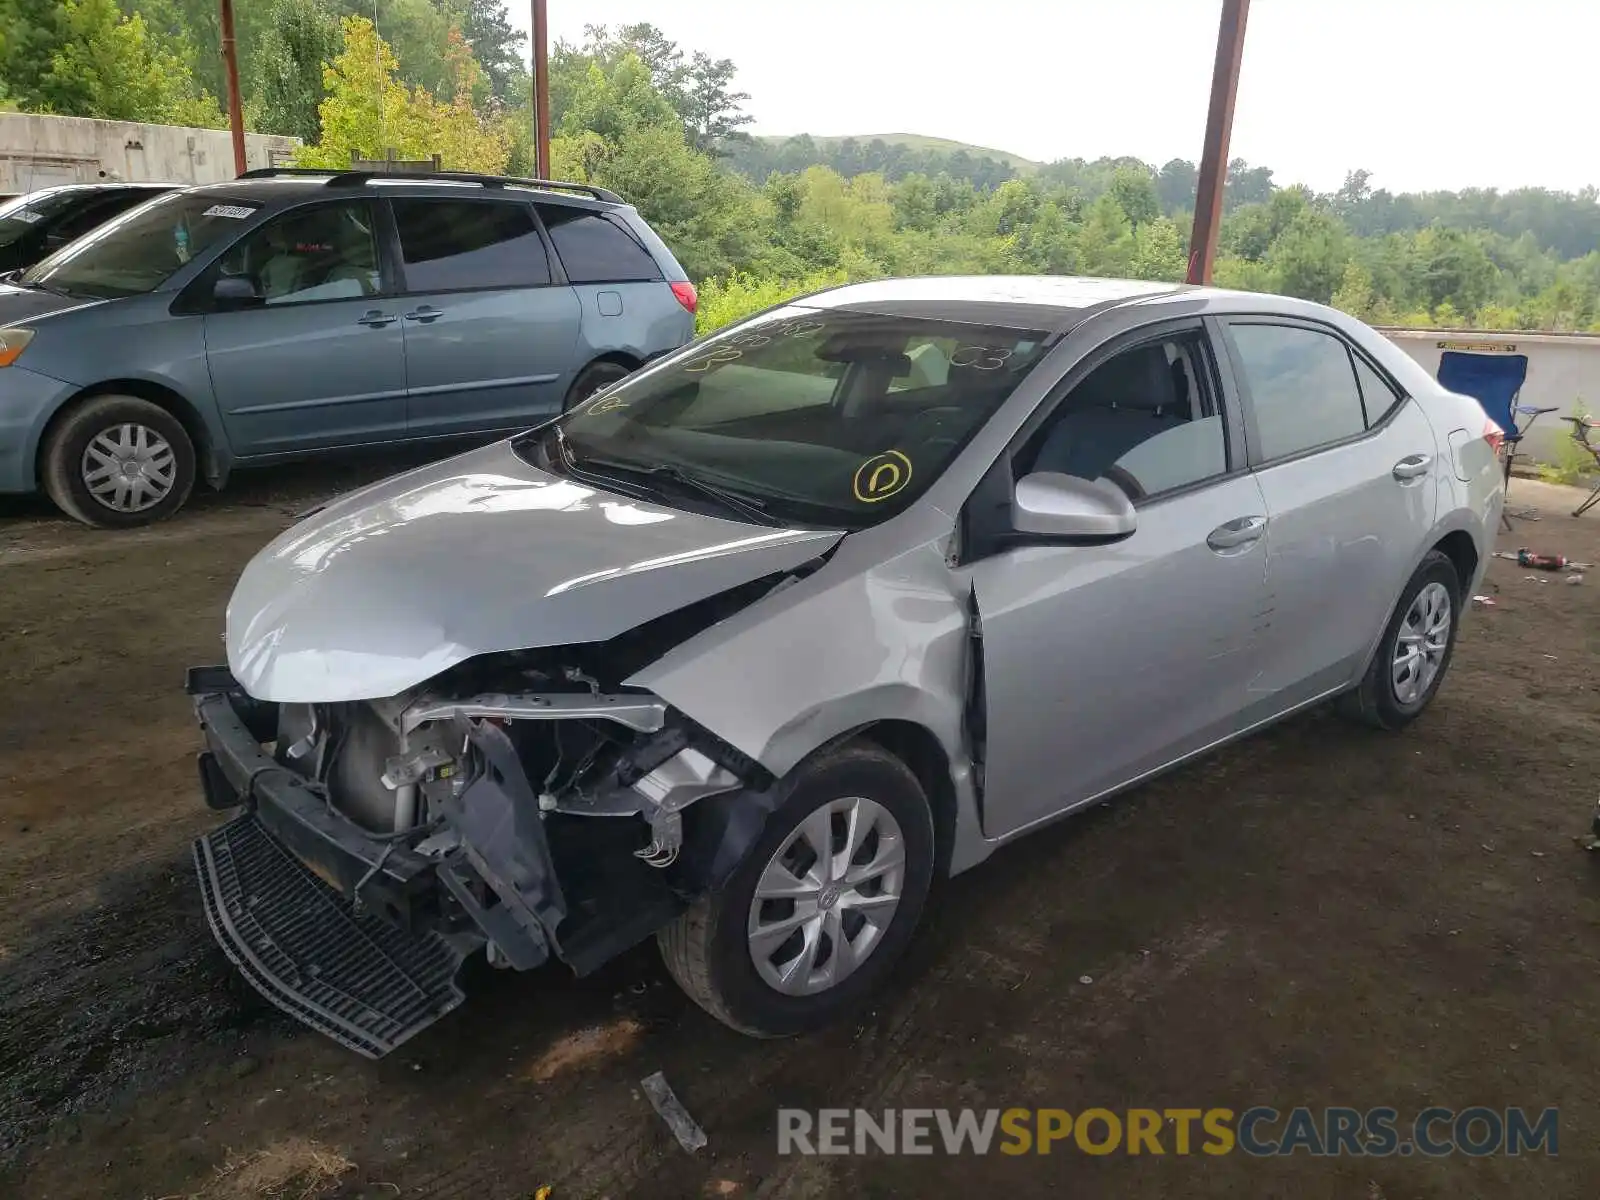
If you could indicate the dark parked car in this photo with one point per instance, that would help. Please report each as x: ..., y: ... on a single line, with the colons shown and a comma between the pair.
x: 290, y: 313
x: 40, y: 223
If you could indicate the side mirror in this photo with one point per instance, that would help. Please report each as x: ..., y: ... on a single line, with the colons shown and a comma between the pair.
x: 1050, y: 505
x: 236, y: 291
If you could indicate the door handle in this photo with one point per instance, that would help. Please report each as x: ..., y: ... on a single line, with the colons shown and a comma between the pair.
x: 1241, y: 531
x: 375, y: 319
x: 425, y: 313
x: 1413, y: 466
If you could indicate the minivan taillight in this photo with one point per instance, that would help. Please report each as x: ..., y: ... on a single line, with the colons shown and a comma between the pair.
x: 1494, y: 435
x: 686, y: 295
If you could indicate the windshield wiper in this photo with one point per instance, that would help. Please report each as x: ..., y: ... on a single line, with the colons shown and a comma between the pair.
x: 745, y: 507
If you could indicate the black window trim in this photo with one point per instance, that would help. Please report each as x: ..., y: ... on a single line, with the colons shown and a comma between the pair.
x: 609, y: 217
x: 558, y: 275
x: 1258, y: 462
x: 194, y: 298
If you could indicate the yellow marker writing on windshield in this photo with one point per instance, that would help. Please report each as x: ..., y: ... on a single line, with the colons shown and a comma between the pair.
x: 881, y: 476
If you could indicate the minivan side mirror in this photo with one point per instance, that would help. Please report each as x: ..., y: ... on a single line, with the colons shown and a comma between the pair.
x: 236, y: 291
x: 1050, y: 506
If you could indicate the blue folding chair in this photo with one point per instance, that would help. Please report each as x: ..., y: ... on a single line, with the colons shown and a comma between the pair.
x: 1495, y: 381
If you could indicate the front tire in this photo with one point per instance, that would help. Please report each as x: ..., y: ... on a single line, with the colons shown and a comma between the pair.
x: 117, y: 461
x: 815, y: 916
x: 1415, y: 651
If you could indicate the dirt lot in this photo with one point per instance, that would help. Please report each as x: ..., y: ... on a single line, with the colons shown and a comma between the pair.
x: 1318, y: 916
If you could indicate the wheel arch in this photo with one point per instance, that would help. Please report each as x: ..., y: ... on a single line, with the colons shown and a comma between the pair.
x: 1453, y: 538
x: 921, y: 751
x: 208, y: 450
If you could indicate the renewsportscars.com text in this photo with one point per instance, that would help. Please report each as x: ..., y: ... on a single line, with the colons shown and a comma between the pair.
x: 1259, y: 1131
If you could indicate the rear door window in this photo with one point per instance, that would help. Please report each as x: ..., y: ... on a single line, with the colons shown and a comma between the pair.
x: 456, y: 245
x: 1302, y: 387
x: 1376, y: 393
x: 597, y: 247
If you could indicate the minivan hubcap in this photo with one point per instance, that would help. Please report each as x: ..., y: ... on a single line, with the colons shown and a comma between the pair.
x: 129, y: 467
x: 827, y: 896
x: 1419, y: 648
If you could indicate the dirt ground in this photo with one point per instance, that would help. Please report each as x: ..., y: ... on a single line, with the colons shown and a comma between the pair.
x: 1317, y: 916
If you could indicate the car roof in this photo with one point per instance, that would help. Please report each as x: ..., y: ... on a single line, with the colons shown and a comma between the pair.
x: 1043, y: 302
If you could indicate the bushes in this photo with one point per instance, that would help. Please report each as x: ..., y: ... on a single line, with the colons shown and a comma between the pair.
x: 733, y: 297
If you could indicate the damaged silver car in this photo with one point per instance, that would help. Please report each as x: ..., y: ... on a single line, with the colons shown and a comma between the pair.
x: 749, y: 648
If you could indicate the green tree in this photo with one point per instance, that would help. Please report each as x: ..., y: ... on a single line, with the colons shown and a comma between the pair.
x: 1309, y: 256
x: 1135, y: 193
x: 367, y: 110
x: 708, y: 217
x: 302, y: 40
x: 108, y: 66
x: 615, y: 103
x: 497, y: 47
x: 1452, y: 266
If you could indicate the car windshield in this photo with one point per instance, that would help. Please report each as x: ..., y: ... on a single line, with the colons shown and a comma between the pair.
x: 23, y: 213
x: 810, y: 416
x: 141, y: 250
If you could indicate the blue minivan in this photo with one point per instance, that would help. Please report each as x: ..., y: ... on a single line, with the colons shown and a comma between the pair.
x: 292, y: 313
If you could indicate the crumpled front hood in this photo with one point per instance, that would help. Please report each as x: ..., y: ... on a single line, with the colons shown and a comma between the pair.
x: 389, y: 586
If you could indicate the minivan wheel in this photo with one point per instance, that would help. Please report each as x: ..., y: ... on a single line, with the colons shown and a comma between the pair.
x: 591, y: 379
x: 822, y: 906
x: 118, y: 461
x: 1415, y: 651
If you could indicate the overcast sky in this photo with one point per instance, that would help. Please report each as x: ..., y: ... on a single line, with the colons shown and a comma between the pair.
x: 1422, y: 93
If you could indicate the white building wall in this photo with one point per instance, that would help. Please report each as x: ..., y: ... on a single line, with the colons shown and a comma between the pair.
x: 38, y: 151
x: 1563, y: 370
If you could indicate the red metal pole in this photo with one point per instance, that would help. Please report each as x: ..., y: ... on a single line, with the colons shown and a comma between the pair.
x: 541, y: 91
x: 230, y: 63
x: 1219, y: 126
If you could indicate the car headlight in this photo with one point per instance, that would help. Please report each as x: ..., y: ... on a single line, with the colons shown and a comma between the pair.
x: 12, y: 343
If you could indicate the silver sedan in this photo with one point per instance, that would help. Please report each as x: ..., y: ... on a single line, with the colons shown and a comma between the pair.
x: 746, y: 649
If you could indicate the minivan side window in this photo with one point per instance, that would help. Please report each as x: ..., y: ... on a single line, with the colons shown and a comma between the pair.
x: 450, y: 245
x: 329, y: 252
x: 1302, y: 387
x: 596, y: 247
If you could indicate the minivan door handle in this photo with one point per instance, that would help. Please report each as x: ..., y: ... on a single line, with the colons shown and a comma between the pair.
x: 375, y: 319
x: 1413, y: 466
x: 1241, y: 531
x: 424, y: 313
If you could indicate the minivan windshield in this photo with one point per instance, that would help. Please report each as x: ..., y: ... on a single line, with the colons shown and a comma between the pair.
x: 811, y: 416
x: 141, y: 250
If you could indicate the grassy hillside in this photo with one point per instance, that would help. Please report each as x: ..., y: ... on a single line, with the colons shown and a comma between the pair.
x: 918, y: 141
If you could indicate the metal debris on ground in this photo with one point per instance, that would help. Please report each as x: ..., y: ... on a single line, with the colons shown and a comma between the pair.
x: 690, y: 1136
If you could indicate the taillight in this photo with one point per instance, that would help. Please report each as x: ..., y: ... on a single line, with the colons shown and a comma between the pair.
x: 686, y: 295
x: 1494, y: 435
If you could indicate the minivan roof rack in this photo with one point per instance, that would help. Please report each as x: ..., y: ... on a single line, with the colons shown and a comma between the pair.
x: 355, y: 178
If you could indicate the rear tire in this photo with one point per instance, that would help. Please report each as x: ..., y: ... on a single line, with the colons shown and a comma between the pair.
x: 730, y: 951
x: 1415, y: 650
x: 591, y: 379
x: 116, y: 462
